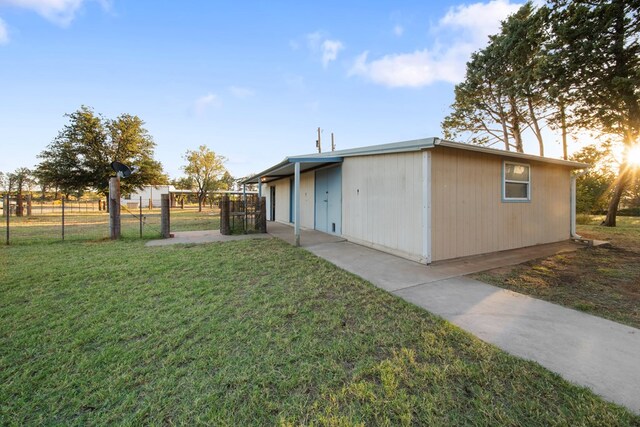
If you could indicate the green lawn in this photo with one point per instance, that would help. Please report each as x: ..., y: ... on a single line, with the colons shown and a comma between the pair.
x: 247, y: 333
x: 604, y: 281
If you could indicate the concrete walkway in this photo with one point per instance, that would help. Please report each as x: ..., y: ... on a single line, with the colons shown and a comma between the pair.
x: 586, y: 350
x: 206, y: 236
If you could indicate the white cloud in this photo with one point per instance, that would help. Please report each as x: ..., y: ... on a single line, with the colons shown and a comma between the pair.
x: 60, y: 12
x: 241, y: 92
x: 4, y: 33
x: 478, y: 20
x: 466, y: 27
x: 204, y: 102
x: 330, y: 49
x: 398, y: 30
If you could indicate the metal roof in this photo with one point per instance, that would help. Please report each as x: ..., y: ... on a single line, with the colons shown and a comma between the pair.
x: 316, y: 160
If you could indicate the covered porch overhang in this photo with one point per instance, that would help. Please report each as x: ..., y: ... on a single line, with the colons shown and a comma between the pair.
x: 292, y: 166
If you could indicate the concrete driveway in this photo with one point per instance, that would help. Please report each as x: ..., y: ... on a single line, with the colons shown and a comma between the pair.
x: 586, y: 350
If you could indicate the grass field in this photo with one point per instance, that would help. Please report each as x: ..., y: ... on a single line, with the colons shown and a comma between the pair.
x: 604, y: 281
x: 47, y: 228
x: 247, y: 333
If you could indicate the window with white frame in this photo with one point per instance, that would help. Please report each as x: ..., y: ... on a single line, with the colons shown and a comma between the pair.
x: 516, y: 183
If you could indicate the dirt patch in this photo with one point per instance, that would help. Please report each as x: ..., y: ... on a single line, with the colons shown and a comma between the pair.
x: 604, y: 281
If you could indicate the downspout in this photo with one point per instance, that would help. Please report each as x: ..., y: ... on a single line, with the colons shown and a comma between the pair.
x: 572, y: 231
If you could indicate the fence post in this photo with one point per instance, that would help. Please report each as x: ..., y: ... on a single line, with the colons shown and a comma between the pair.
x: 225, y: 228
x: 165, y: 220
x: 5, y: 212
x: 63, y: 218
x: 28, y: 204
x: 114, y: 207
x: 140, y: 207
x: 261, y: 216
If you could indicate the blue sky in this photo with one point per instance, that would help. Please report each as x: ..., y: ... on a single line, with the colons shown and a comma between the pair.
x: 251, y: 80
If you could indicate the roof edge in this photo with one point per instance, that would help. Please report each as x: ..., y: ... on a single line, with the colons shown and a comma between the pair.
x: 514, y: 154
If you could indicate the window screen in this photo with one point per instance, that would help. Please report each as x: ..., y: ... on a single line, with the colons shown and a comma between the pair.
x: 516, y: 182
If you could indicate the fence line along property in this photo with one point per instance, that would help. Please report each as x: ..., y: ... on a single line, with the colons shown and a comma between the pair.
x: 85, y: 219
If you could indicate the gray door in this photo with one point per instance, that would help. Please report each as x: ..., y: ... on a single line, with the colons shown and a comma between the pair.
x: 328, y: 200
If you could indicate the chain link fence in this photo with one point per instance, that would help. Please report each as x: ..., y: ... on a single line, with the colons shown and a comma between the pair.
x: 36, y: 221
x: 24, y: 222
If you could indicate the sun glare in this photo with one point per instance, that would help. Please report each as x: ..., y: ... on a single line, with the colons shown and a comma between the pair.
x: 633, y: 156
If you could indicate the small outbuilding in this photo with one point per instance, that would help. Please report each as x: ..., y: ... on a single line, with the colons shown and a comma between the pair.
x: 426, y: 200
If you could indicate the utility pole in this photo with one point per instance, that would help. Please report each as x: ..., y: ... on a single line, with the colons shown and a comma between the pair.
x: 333, y: 143
x: 319, y: 142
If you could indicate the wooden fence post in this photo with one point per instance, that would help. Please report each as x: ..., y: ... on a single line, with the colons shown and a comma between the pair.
x: 261, y: 215
x: 5, y: 212
x: 225, y: 227
x: 165, y: 220
x: 114, y: 208
x: 29, y: 206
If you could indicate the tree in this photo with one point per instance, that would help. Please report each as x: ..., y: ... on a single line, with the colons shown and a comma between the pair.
x: 227, y: 181
x: 21, y: 178
x: 80, y: 156
x: 597, y: 44
x: 502, y: 95
x: 60, y: 168
x: 594, y: 187
x: 206, y: 169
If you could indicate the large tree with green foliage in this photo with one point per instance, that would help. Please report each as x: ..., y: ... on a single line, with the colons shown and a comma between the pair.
x: 80, y: 156
x: 206, y: 169
x: 593, y: 187
x: 20, y: 179
x: 502, y: 95
x: 598, y: 46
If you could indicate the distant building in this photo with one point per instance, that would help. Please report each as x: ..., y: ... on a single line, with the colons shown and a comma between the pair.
x: 150, y: 196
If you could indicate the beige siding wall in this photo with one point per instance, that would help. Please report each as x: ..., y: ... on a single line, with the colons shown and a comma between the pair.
x: 382, y: 202
x: 307, y: 181
x: 469, y: 217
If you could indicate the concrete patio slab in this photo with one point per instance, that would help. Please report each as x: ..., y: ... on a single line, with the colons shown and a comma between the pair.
x: 207, y: 236
x: 308, y: 238
x: 392, y: 273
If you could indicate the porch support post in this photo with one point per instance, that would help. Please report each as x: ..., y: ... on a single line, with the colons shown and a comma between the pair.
x: 296, y: 198
x: 426, y: 207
